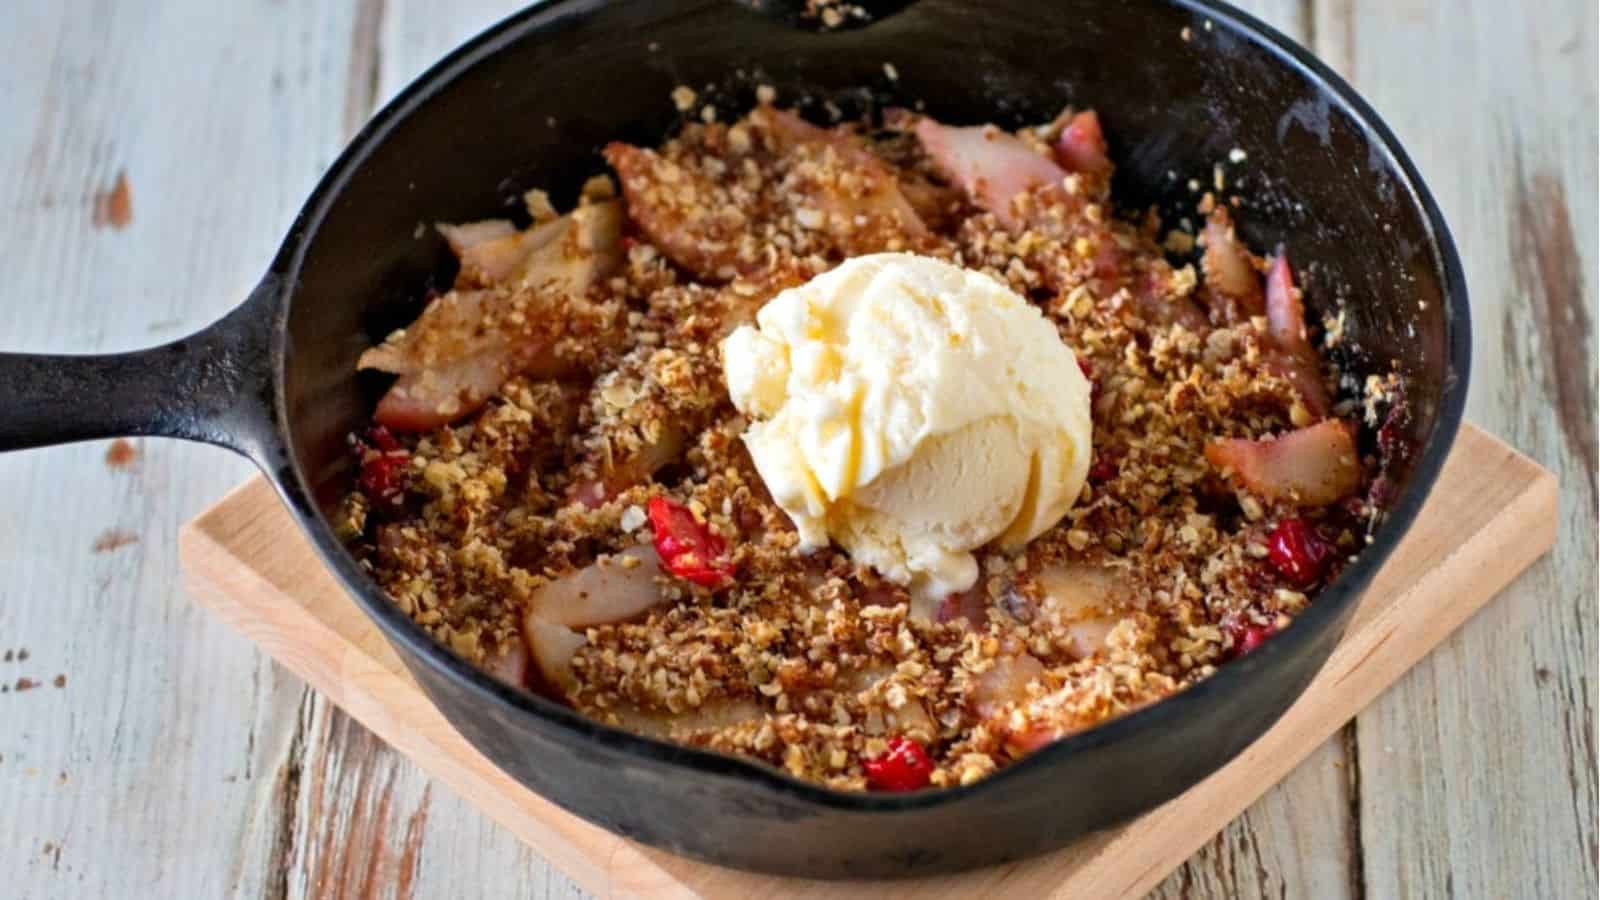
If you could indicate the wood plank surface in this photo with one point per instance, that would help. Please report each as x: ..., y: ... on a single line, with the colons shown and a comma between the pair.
x: 410, y: 840
x: 247, y: 561
x: 195, y: 768
x: 1477, y: 773
x: 151, y: 771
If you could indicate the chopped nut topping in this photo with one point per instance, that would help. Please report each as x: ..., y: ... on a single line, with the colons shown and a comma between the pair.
x: 532, y: 506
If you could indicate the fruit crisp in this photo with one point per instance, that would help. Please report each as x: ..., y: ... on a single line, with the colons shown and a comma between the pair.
x: 554, y: 486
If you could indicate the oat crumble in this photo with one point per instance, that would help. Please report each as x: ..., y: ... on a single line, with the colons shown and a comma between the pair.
x: 559, y: 493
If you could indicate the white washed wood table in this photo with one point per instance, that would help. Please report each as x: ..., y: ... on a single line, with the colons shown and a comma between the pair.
x: 174, y: 760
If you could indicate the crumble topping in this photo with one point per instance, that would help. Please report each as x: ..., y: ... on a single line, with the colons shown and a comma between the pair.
x: 1169, y: 565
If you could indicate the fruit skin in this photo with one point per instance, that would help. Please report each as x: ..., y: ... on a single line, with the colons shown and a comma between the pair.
x: 905, y: 766
x: 1103, y: 469
x: 1298, y: 553
x: 1247, y: 637
x: 1254, y: 636
x: 1313, y: 466
x: 383, y: 464
x: 687, y: 548
x: 971, y: 605
x: 1082, y: 145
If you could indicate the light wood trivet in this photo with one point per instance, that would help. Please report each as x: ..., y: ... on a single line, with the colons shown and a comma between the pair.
x: 1491, y: 514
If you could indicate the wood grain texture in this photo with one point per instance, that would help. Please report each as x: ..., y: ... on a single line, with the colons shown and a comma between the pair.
x: 192, y: 764
x: 355, y: 818
x: 1478, y: 770
x: 144, y: 774
x: 247, y: 561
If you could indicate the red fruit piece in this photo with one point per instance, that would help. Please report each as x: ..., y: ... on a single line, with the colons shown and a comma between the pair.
x: 1381, y: 493
x: 1103, y: 469
x: 1299, y: 554
x: 971, y: 605
x: 1230, y: 275
x: 1295, y: 361
x: 1082, y: 145
x: 1286, y: 314
x: 688, y: 549
x: 382, y: 439
x: 383, y: 466
x: 1248, y: 636
x: 905, y: 766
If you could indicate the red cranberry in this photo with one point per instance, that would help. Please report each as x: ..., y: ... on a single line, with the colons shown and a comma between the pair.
x: 1247, y: 636
x: 1299, y: 554
x: 1103, y: 469
x: 383, y: 466
x: 382, y: 439
x: 1381, y: 493
x: 687, y: 548
x: 905, y: 766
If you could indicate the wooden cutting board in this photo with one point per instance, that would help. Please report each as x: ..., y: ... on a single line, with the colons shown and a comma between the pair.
x: 1492, y: 513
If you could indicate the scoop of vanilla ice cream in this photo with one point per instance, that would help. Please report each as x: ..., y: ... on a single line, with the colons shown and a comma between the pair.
x: 913, y: 412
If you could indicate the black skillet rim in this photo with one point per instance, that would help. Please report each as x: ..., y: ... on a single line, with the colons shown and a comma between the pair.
x: 1329, y: 606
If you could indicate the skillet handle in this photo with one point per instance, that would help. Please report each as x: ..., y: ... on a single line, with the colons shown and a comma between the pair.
x: 213, y: 386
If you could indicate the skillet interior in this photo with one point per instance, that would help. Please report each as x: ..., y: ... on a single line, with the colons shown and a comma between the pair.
x: 529, y: 104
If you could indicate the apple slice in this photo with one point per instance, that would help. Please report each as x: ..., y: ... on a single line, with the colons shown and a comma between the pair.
x: 1312, y: 466
x: 1294, y: 360
x: 552, y: 648
x: 510, y: 664
x: 1003, y: 684
x: 470, y: 341
x: 1085, y: 600
x: 872, y: 193
x: 910, y: 718
x: 991, y: 165
x: 609, y: 590
x: 1231, y: 277
x: 626, y: 469
x: 713, y: 715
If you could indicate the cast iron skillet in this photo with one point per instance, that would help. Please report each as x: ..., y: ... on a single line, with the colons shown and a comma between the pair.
x: 529, y: 102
